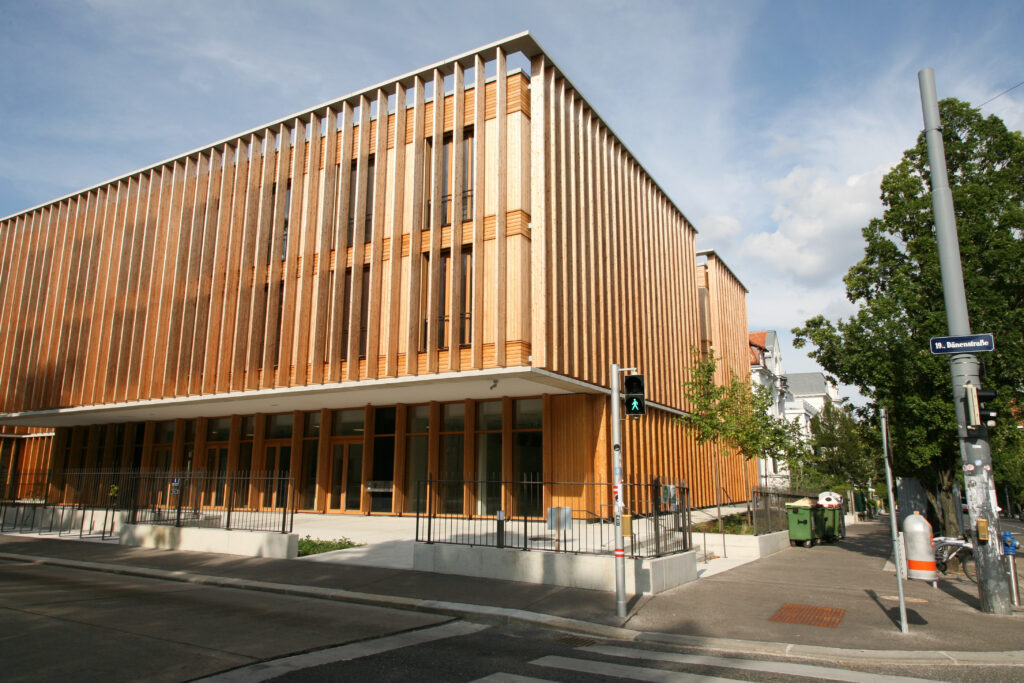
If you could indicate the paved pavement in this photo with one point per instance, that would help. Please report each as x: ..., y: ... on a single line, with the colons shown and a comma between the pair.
x: 729, y: 611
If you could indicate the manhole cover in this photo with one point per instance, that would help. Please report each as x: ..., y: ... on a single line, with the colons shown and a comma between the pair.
x: 810, y: 616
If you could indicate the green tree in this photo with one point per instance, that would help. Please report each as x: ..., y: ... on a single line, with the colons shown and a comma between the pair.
x: 735, y: 415
x: 883, y: 348
x: 842, y: 454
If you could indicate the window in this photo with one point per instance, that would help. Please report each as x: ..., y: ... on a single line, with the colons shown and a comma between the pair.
x: 449, y: 466
x: 528, y: 444
x: 439, y: 322
x: 417, y: 446
x: 366, y: 223
x: 488, y: 457
x: 447, y: 178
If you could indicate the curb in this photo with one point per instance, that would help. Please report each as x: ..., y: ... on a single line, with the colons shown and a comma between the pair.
x: 506, y: 616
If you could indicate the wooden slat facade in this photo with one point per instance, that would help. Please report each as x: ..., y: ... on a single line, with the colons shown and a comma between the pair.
x: 441, y: 223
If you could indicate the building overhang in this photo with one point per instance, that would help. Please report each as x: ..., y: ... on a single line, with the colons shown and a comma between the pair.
x: 449, y: 386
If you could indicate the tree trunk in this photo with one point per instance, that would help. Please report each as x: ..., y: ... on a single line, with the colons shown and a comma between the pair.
x: 945, y: 506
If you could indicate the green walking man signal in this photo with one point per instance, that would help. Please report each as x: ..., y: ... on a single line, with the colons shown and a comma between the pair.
x: 633, y: 395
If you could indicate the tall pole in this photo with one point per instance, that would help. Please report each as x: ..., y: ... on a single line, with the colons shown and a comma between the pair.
x: 993, y: 586
x: 620, y: 553
x: 892, y: 522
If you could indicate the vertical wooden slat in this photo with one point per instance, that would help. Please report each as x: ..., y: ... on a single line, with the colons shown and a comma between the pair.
x: 104, y: 284
x: 235, y: 228
x: 95, y: 237
x: 139, y: 359
x: 304, y: 290
x: 416, y: 314
x: 337, y: 349
x: 397, y: 212
x: 232, y: 161
x: 291, y: 264
x: 29, y: 321
x: 454, y: 275
x: 269, y: 377
x: 182, y: 228
x: 501, y: 220
x: 379, y: 181
x: 52, y: 355
x: 326, y: 228
x: 247, y: 256
x: 356, y: 302
x: 540, y: 169
x: 132, y: 286
x: 38, y: 361
x: 118, y: 294
x: 434, y: 284
x: 479, y: 194
x: 166, y: 228
x: 209, y: 246
x: 190, y: 292
x: 262, y: 256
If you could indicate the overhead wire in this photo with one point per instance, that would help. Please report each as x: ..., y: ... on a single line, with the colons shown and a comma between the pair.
x: 1000, y: 94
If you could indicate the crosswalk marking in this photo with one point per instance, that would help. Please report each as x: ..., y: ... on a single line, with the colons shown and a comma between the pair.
x: 784, y: 668
x: 636, y: 673
x: 264, y: 671
x: 510, y: 678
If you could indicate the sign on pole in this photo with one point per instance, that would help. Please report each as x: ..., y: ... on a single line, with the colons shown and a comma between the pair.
x: 968, y: 343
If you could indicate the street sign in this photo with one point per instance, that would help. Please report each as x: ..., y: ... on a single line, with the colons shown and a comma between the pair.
x: 968, y: 343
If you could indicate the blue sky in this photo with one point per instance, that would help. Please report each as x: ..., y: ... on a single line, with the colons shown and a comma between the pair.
x: 770, y: 124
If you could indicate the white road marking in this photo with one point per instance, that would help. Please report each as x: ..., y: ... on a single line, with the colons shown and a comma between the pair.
x: 785, y: 668
x: 264, y: 671
x: 634, y: 673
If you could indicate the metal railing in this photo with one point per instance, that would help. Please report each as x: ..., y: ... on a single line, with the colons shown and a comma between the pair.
x: 244, y: 501
x: 769, y: 508
x: 570, y: 517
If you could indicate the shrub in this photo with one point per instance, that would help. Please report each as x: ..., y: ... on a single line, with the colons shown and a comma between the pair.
x: 314, y: 546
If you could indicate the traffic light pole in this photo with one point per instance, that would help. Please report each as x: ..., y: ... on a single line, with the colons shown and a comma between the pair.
x: 993, y: 587
x: 620, y: 553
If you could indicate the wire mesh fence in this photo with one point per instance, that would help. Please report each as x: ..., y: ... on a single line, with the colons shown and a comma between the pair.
x: 570, y: 517
x: 769, y: 508
x: 246, y: 501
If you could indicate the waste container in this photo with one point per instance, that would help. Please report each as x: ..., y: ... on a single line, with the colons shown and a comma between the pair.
x: 832, y: 504
x: 806, y: 522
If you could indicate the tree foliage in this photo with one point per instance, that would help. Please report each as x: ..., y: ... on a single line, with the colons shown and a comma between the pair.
x: 735, y: 416
x: 883, y: 348
x: 844, y: 452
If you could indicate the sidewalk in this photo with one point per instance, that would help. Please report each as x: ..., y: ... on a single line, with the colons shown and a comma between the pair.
x: 729, y: 611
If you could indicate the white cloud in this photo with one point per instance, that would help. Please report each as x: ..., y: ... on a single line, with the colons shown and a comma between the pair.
x: 818, y: 223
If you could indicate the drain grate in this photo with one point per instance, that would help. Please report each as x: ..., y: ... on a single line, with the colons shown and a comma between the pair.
x: 810, y: 616
x: 576, y: 641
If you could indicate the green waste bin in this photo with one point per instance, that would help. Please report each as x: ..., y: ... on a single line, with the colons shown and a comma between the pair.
x: 834, y: 527
x: 806, y: 522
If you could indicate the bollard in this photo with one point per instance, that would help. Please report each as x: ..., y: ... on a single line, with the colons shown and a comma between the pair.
x: 1010, y: 545
x: 501, y: 528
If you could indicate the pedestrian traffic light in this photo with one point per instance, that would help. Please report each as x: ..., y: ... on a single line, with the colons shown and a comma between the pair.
x: 633, y: 394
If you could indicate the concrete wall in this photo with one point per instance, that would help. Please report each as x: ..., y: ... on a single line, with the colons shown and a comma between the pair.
x: 65, y: 519
x: 249, y: 543
x: 743, y: 545
x: 596, y: 572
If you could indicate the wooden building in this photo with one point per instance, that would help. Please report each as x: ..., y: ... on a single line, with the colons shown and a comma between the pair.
x: 429, y: 277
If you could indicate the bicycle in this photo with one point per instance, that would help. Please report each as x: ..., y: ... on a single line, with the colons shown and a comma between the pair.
x: 948, y: 549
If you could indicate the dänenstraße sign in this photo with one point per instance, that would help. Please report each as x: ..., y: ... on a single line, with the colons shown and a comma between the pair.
x: 968, y: 343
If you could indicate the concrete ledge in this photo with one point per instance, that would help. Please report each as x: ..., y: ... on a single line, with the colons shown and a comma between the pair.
x: 248, y: 543
x: 595, y: 572
x: 743, y: 545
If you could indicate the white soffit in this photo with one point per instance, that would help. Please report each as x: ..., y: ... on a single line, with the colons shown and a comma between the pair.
x: 449, y: 386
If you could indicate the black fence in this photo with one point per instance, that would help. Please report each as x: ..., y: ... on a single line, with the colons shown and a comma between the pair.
x: 570, y: 517
x: 62, y: 502
x: 768, y: 507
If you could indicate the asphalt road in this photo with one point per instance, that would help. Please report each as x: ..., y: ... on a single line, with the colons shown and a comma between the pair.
x: 67, y: 624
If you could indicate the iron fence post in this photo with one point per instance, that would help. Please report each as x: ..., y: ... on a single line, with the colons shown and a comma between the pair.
x: 231, y: 500
x: 656, y: 508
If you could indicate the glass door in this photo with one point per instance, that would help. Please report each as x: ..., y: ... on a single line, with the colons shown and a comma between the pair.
x: 275, y: 488
x: 346, y: 477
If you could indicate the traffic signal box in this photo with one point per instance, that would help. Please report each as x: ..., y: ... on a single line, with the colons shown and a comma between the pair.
x: 633, y: 395
x: 977, y: 414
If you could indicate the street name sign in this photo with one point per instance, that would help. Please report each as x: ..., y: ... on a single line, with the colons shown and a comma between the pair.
x: 968, y: 343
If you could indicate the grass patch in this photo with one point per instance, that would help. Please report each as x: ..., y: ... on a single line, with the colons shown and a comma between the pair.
x: 314, y: 546
x: 732, y: 524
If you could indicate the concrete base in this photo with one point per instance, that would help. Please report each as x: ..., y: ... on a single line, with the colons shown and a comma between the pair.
x: 595, y: 572
x: 248, y: 543
x: 63, y: 519
x: 742, y: 545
